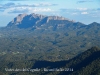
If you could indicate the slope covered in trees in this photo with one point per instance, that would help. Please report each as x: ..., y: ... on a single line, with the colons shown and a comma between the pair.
x: 86, y: 63
x: 31, y: 41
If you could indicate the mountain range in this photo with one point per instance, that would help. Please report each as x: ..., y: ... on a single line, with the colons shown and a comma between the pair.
x: 40, y: 41
x: 54, y: 33
x: 52, y: 23
x: 34, y: 20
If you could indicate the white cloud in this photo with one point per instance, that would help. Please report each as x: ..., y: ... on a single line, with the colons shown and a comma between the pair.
x: 44, y: 4
x: 10, y: 5
x: 84, y: 13
x: 28, y: 10
x: 42, y: 10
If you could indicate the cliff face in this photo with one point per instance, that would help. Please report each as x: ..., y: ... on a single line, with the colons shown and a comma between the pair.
x: 25, y: 20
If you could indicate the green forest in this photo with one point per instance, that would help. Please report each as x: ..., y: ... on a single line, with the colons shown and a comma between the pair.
x: 58, y: 47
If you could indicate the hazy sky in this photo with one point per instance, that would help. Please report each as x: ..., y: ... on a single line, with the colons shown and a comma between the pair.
x: 85, y: 11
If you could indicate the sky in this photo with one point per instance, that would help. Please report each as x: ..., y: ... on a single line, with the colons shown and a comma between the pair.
x: 85, y: 11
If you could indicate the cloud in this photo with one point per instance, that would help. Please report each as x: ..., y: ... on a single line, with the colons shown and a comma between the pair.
x: 10, y: 5
x: 78, y: 11
x: 18, y: 10
x: 28, y: 10
x: 41, y: 5
x: 7, y: 5
x: 42, y: 10
x: 84, y: 13
x: 68, y: 10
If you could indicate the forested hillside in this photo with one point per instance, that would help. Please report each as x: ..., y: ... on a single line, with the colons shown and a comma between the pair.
x: 38, y: 41
x: 87, y: 63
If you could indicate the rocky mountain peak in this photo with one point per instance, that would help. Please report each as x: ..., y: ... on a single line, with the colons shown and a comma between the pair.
x: 37, y: 15
x: 30, y: 20
x: 18, y: 19
x: 55, y: 18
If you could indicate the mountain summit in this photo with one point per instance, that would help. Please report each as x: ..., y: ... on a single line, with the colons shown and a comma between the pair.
x: 33, y: 20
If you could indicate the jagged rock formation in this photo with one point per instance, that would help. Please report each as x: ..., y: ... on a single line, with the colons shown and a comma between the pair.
x: 31, y: 20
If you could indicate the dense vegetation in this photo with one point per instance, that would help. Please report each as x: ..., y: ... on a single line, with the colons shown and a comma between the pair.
x: 50, y: 44
x: 86, y: 63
